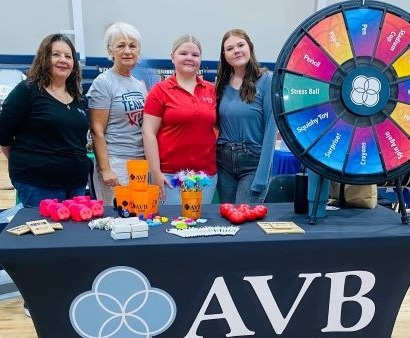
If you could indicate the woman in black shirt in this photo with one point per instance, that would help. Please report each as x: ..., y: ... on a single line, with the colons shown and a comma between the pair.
x: 43, y: 126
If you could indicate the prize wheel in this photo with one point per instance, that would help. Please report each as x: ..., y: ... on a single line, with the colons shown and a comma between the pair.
x: 341, y: 92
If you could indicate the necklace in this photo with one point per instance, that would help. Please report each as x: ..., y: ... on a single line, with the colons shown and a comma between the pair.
x: 63, y: 97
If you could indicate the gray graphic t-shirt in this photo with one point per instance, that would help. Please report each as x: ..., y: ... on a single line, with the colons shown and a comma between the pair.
x: 124, y: 97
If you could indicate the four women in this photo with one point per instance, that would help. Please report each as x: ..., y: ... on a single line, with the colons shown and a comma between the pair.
x: 182, y: 117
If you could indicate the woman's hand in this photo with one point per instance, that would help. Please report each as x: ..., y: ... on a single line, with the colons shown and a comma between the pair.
x: 109, y: 178
x: 160, y: 180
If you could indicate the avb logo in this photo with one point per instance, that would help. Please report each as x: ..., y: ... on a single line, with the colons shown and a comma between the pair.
x: 124, y: 304
x: 365, y: 91
x: 193, y: 207
x: 280, y: 321
x: 138, y: 178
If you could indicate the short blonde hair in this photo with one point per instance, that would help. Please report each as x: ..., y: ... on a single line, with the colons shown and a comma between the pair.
x: 120, y: 28
x: 183, y: 39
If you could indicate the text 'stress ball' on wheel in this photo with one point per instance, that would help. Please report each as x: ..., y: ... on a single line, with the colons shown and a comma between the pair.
x: 341, y: 92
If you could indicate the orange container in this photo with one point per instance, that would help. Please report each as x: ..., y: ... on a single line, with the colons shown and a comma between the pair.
x: 139, y: 201
x: 191, y: 202
x: 153, y: 198
x: 137, y: 174
x: 122, y: 195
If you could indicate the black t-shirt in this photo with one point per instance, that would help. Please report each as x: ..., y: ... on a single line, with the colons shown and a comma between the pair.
x: 47, y: 138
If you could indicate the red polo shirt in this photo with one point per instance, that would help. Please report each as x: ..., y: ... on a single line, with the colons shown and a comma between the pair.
x: 186, y: 138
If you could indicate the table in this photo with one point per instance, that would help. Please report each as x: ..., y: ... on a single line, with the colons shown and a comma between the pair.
x: 345, y: 277
x: 284, y: 162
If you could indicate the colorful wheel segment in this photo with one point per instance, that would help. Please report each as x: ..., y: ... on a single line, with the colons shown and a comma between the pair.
x: 341, y: 92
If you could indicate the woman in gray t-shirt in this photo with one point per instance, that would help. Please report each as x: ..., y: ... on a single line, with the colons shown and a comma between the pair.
x: 116, y: 101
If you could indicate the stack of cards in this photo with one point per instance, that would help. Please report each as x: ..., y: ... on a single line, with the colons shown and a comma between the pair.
x: 40, y: 227
x: 125, y: 228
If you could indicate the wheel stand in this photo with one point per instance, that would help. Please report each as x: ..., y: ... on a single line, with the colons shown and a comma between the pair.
x: 398, y: 189
x: 402, y: 204
x: 312, y: 217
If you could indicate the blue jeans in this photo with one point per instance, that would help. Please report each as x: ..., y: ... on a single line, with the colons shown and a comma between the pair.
x: 31, y: 195
x: 173, y: 195
x: 237, y: 164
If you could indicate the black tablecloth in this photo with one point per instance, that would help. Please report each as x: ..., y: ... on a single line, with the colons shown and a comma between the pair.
x: 246, y: 277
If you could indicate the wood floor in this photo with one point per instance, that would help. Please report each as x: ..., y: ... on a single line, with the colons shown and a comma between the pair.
x: 7, y: 193
x: 13, y: 321
x: 15, y: 324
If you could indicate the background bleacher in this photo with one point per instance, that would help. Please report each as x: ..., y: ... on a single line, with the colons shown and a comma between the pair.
x: 23, y: 63
x: 148, y: 70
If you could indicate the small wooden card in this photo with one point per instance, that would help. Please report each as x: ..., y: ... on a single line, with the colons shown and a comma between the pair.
x: 280, y: 228
x: 19, y: 230
x: 40, y: 227
x: 56, y: 226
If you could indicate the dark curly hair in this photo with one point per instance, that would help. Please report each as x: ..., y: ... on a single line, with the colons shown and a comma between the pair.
x: 40, y: 70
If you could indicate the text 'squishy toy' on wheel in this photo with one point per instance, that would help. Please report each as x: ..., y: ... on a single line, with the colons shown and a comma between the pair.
x: 341, y: 93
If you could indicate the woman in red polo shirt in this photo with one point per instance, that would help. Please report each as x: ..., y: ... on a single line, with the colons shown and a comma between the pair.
x: 179, y: 121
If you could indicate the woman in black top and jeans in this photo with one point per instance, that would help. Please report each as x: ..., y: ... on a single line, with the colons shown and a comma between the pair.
x: 43, y: 127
